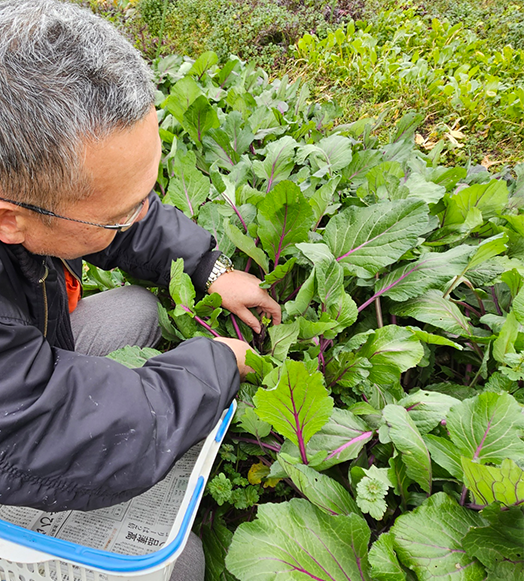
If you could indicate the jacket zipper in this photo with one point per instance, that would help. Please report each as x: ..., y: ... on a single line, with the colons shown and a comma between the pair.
x: 44, y: 290
x: 69, y: 269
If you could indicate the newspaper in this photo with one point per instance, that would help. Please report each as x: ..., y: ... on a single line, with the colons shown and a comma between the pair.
x: 137, y: 527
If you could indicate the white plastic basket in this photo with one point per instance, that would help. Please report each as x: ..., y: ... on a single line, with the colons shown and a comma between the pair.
x: 27, y: 555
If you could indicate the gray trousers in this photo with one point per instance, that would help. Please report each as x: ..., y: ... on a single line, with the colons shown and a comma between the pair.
x: 113, y: 319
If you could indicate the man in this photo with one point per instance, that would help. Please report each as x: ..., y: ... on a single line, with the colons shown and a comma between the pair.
x: 79, y: 154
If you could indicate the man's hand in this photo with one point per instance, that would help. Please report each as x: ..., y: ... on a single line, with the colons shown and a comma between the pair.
x: 239, y: 348
x: 240, y: 291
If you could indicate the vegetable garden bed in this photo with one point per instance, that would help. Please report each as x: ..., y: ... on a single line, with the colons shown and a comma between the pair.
x: 380, y: 436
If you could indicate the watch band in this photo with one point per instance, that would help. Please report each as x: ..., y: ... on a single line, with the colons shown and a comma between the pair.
x: 222, y: 265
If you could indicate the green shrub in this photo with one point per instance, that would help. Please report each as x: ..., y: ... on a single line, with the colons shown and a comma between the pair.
x: 252, y: 29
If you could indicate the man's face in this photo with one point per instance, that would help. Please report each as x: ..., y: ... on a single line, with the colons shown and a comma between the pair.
x: 122, y: 169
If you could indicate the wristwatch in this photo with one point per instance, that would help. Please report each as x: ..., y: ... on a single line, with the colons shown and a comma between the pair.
x: 222, y: 265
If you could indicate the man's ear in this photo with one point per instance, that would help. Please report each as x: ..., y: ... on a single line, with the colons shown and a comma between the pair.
x: 10, y: 224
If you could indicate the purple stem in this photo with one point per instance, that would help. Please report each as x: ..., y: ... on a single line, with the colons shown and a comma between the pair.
x: 393, y: 319
x: 262, y: 444
x: 237, y: 328
x: 385, y: 289
x: 347, y: 444
x: 496, y: 301
x: 463, y: 496
x: 203, y: 323
x: 248, y: 264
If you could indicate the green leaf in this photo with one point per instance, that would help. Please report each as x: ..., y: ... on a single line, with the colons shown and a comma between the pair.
x: 247, y: 245
x: 432, y: 339
x: 210, y: 218
x: 285, y: 218
x: 280, y: 272
x: 181, y: 288
x: 421, y: 189
x: 304, y: 297
x: 371, y: 492
x: 279, y: 161
x: 188, y: 188
x: 368, y: 239
x: 384, y: 561
x: 505, y: 342
x: 203, y: 63
x: 429, y: 540
x: 407, y: 126
x: 330, y: 282
x: 297, y: 540
x: 342, y: 438
x: 252, y: 424
x: 391, y: 350
x: 324, y: 492
x: 183, y: 94
x: 488, y: 249
x: 327, y: 156
x: 489, y: 198
x: 487, y: 427
x: 216, y: 538
x: 518, y: 306
x: 199, y: 118
x: 504, y: 484
x: 431, y: 271
x: 445, y: 454
x: 282, y: 337
x: 500, y: 545
x: 409, y: 442
x: 323, y: 198
x: 299, y: 405
x: 436, y: 310
x: 133, y: 356
x: 427, y: 408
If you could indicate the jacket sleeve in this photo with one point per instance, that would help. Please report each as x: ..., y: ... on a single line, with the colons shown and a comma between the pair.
x: 148, y: 247
x: 83, y: 432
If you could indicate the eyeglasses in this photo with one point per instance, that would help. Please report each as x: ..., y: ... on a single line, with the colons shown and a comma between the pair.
x: 129, y: 221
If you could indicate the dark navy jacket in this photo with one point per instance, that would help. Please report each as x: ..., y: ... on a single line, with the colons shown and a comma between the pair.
x: 82, y: 432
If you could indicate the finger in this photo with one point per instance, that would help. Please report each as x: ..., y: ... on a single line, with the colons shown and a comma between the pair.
x: 270, y: 306
x: 249, y: 319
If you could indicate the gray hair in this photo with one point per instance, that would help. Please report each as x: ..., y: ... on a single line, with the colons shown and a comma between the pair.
x: 67, y: 78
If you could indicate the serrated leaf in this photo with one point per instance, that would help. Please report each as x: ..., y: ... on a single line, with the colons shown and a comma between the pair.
x: 297, y: 539
x: 188, y: 188
x: 429, y: 540
x: 391, y: 350
x: 427, y: 408
x: 299, y: 405
x: 368, y: 239
x: 321, y: 490
x: 409, y: 442
x: 436, y: 310
x: 279, y: 162
x: 487, y: 427
x: 285, y: 218
x: 252, y: 424
x: 181, y: 288
x: 247, y: 245
x: 384, y: 561
x: 504, y: 484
